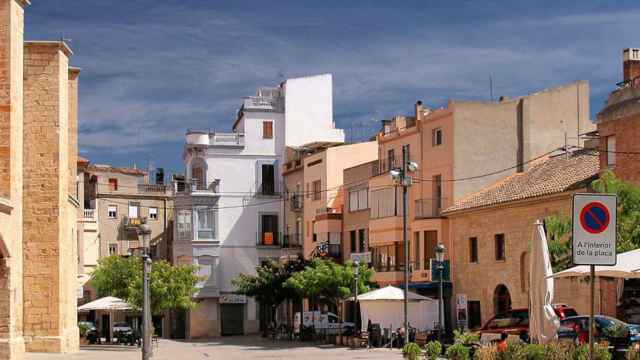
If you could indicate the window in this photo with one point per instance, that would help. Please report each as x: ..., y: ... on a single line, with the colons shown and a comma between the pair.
x: 184, y: 225
x: 611, y: 150
x: 113, y: 249
x: 358, y: 200
x: 437, y: 137
x: 317, y: 185
x: 267, y: 129
x: 134, y: 210
x: 112, y: 211
x: 206, y: 223
x: 268, y: 229
x: 500, y: 251
x: 113, y: 184
x: 473, y: 249
x: 352, y: 235
x: 153, y: 213
x: 430, y: 243
x: 362, y: 237
x: 313, y: 231
x: 391, y: 159
x: 268, y: 180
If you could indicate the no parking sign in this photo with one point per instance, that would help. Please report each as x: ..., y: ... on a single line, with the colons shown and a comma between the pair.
x: 594, y: 229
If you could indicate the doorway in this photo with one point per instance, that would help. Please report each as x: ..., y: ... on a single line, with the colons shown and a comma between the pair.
x: 501, y: 299
x: 232, y: 319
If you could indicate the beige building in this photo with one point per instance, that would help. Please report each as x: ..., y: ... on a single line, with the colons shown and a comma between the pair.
x: 314, y: 180
x: 38, y: 194
x: 492, y: 230
x: 355, y: 217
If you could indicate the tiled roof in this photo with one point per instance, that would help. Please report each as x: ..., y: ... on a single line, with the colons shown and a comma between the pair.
x: 112, y: 169
x: 546, y: 176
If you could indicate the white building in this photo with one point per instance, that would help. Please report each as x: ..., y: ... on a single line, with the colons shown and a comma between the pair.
x: 229, y: 211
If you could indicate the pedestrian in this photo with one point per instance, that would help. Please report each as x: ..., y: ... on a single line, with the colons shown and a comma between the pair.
x: 502, y: 344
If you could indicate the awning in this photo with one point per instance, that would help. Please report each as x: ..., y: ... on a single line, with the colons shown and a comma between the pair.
x: 627, y: 267
x: 105, y: 303
x: 430, y: 285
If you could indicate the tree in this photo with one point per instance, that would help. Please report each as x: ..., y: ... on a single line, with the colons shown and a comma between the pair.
x: 268, y: 285
x: 171, y: 287
x: 628, y: 221
x: 326, y: 280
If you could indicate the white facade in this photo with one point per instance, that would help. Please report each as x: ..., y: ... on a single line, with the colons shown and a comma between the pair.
x: 229, y: 214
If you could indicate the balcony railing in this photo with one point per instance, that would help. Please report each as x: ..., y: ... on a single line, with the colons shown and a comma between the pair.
x: 226, y: 139
x: 268, y: 239
x: 89, y: 213
x: 292, y: 241
x: 327, y: 210
x: 194, y: 186
x: 428, y: 208
x: 383, y: 166
x: 152, y: 188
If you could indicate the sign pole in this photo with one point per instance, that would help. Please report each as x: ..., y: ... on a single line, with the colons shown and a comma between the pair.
x: 593, y: 308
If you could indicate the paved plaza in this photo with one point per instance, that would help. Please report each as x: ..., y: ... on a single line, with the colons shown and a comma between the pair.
x: 229, y: 348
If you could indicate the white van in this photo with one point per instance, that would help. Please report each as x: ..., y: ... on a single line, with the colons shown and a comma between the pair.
x: 327, y: 323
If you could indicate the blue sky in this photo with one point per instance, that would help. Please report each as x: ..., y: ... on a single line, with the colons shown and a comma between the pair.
x: 152, y: 69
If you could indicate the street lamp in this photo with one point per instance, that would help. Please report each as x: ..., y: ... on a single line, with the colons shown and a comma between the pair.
x: 402, y: 177
x: 356, y: 264
x: 440, y: 268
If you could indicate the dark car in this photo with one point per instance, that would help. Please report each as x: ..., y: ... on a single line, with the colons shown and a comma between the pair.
x: 515, y: 322
x: 617, y: 333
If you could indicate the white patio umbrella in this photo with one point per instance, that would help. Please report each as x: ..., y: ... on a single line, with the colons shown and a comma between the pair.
x: 543, y: 321
x: 627, y: 267
x: 105, y: 303
x: 385, y: 307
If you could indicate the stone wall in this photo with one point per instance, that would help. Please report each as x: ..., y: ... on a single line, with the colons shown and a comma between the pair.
x: 50, y: 267
x: 11, y: 178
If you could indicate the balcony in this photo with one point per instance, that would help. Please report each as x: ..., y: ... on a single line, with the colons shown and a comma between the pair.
x: 428, y: 208
x: 89, y: 214
x: 152, y: 188
x: 194, y: 187
x: 296, y: 202
x: 292, y: 241
x: 271, y: 101
x: 206, y: 138
x: 269, y: 239
x: 383, y: 166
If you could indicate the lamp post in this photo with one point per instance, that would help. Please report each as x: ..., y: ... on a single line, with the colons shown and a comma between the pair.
x: 402, y: 177
x: 145, y: 229
x: 356, y: 264
x: 440, y: 268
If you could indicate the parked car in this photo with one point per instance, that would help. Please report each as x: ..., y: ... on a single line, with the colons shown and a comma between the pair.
x: 91, y: 333
x: 617, y: 333
x: 515, y: 322
x: 327, y: 323
x: 124, y: 333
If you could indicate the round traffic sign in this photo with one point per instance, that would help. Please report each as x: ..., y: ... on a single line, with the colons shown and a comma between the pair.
x: 594, y: 217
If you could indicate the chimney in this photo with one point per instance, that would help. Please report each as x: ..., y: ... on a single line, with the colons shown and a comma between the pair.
x: 419, y: 109
x: 630, y: 64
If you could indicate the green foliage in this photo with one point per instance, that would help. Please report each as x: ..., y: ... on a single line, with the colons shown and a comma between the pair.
x: 330, y: 281
x: 171, y: 287
x: 458, y: 351
x: 632, y: 353
x: 599, y: 353
x: 628, y: 218
x: 433, y: 349
x: 465, y: 338
x: 517, y: 350
x: 559, y: 351
x: 84, y: 328
x: 535, y: 352
x: 268, y: 285
x: 411, y: 351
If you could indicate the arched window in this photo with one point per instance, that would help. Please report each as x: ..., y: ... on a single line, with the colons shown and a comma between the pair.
x: 501, y: 299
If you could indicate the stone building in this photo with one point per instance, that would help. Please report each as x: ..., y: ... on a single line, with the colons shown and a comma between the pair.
x: 619, y: 122
x: 491, y: 233
x: 38, y: 195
